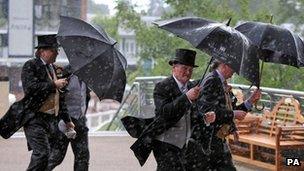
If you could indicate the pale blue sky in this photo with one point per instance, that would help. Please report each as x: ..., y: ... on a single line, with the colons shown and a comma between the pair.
x: 142, y: 4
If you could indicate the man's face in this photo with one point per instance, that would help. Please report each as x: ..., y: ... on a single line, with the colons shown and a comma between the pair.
x: 228, y: 71
x: 182, y: 72
x: 50, y: 54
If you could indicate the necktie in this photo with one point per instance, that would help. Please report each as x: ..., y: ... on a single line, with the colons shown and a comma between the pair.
x: 184, y: 89
x: 48, y: 66
x: 224, y: 131
x: 227, y: 96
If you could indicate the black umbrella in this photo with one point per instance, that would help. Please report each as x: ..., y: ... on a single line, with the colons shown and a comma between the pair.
x: 220, y: 41
x: 277, y: 44
x: 93, y: 57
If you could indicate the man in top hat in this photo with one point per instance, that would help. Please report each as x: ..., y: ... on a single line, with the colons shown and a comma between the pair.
x: 169, y: 134
x: 42, y: 87
x: 217, y: 97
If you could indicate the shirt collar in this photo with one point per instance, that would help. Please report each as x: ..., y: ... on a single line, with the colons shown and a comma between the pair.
x: 221, y: 76
x: 180, y: 85
x: 44, y: 63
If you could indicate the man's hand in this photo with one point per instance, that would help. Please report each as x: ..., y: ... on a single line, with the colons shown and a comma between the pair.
x: 70, y: 125
x: 239, y: 114
x: 209, y: 117
x: 60, y: 83
x: 255, y: 96
x: 193, y: 93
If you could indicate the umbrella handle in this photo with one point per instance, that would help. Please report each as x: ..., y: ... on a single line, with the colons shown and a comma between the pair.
x: 259, y: 109
x: 255, y: 104
x: 65, y: 89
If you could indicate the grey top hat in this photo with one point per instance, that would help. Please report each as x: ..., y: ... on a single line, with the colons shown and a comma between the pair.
x: 47, y: 41
x: 185, y: 57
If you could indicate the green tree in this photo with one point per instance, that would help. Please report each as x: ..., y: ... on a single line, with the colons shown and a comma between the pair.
x: 159, y: 45
x: 100, y: 9
x: 109, y: 24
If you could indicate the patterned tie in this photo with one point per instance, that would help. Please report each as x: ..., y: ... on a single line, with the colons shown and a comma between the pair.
x: 48, y: 67
x: 227, y: 96
x: 184, y: 89
x: 224, y: 131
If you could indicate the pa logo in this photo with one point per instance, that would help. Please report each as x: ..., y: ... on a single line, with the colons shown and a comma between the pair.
x: 293, y: 162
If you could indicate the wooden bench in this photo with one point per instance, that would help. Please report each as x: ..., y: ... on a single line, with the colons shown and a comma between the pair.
x: 263, y: 139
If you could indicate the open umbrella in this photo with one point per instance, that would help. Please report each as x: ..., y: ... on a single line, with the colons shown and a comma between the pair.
x: 93, y: 57
x: 218, y: 40
x: 277, y: 44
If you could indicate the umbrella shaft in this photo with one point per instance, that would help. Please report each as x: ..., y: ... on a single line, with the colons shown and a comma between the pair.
x: 200, y: 82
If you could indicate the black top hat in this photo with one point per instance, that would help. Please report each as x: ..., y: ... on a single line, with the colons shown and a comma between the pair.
x: 47, y: 41
x: 185, y: 57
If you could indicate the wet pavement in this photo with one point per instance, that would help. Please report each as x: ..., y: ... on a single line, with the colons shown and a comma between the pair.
x: 109, y: 152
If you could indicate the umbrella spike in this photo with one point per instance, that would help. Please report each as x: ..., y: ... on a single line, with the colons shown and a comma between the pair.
x: 271, y: 18
x: 228, y: 22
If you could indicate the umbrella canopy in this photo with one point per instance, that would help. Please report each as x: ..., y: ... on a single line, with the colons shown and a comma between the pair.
x: 93, y: 57
x: 277, y: 44
x: 218, y: 40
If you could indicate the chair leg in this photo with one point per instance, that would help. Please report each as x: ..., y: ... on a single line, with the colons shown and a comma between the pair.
x: 277, y: 160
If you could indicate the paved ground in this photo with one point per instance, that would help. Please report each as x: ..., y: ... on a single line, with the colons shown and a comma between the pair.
x: 108, y: 153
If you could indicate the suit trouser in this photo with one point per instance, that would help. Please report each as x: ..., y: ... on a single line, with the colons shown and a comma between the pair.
x: 168, y: 157
x: 195, y: 157
x: 220, y: 158
x: 79, y: 145
x: 37, y: 132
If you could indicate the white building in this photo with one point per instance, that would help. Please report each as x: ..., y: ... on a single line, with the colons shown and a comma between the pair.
x: 128, y: 44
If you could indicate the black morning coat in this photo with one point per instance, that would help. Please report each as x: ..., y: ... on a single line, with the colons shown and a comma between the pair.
x: 171, y: 105
x: 212, y: 98
x: 37, y: 87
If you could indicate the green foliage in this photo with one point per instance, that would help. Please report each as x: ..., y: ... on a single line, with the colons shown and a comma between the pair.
x: 109, y: 24
x: 160, y: 45
x: 99, y: 9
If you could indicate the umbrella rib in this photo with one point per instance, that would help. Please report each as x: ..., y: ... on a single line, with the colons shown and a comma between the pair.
x: 297, y: 47
x: 214, y: 27
x: 243, y: 55
x: 87, y: 37
x: 263, y: 33
x: 93, y: 58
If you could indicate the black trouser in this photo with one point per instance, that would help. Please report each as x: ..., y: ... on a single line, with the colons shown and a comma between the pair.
x: 37, y: 132
x: 168, y: 157
x: 195, y: 157
x: 220, y: 158
x: 79, y: 146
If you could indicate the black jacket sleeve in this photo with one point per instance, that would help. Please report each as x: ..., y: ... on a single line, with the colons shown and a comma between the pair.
x: 168, y: 107
x: 213, y: 99
x: 32, y: 82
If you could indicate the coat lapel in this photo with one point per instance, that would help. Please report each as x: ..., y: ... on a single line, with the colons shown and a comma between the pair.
x: 174, y: 87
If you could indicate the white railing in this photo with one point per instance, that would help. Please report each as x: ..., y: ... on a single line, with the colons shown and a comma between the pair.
x: 139, y: 102
x: 145, y: 103
x: 97, y: 120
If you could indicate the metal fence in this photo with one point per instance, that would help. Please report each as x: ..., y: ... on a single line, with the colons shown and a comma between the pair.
x: 139, y: 100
